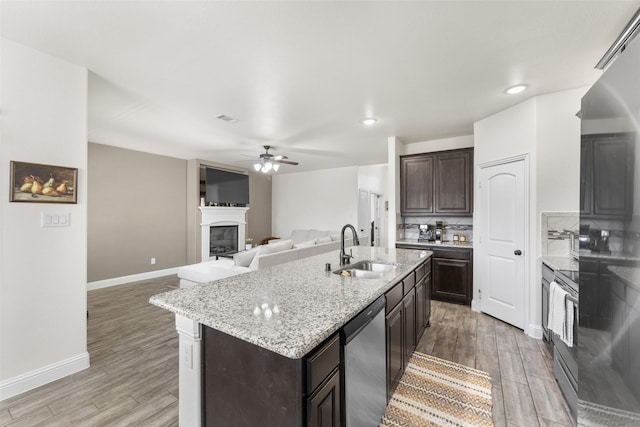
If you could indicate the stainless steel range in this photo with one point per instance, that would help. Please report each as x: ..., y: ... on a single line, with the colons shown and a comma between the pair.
x: 565, y: 358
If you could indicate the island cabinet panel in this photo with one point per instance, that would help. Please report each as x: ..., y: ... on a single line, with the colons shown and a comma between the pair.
x: 407, y: 305
x: 237, y: 376
x: 236, y: 372
x: 438, y: 183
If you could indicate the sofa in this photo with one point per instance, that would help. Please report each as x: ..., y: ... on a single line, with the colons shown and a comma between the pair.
x: 300, y: 244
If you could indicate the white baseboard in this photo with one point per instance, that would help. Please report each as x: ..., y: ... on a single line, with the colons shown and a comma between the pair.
x: 131, y: 278
x: 475, y: 306
x: 30, y: 380
x: 535, y: 331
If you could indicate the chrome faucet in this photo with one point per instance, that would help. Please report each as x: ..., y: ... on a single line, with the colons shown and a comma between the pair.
x: 344, y: 258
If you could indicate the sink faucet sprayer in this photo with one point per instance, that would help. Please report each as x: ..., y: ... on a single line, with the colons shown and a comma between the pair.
x: 344, y: 258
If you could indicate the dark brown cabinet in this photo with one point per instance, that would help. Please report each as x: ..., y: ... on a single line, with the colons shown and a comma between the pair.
x: 417, y: 185
x: 439, y: 183
x: 407, y: 315
x: 395, y: 350
x: 452, y: 275
x: 606, y: 170
x: 323, y: 408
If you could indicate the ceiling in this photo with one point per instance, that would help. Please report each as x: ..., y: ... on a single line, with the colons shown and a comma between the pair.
x: 300, y: 76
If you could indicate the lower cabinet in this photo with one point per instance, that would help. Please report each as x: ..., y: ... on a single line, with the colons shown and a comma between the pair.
x: 451, y: 279
x: 452, y: 272
x: 323, y: 407
x: 407, y: 315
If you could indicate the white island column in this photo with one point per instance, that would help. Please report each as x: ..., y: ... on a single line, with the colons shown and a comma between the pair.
x: 190, y: 389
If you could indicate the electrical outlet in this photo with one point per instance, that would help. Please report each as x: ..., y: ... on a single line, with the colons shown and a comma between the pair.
x: 153, y: 261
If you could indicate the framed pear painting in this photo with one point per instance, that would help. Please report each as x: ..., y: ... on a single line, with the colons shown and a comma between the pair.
x: 32, y: 182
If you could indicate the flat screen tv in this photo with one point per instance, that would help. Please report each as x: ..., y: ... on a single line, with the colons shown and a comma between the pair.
x: 226, y: 188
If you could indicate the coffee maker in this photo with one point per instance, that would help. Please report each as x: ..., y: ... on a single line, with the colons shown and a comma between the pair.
x: 438, y: 232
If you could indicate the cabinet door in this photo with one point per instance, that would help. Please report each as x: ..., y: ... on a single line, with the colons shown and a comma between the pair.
x: 323, y: 408
x: 451, y: 279
x: 613, y: 157
x: 619, y: 347
x: 409, y: 323
x: 427, y: 298
x: 420, y: 306
x: 453, y: 183
x: 586, y: 176
x: 633, y: 317
x: 417, y: 184
x: 545, y: 309
x: 395, y: 351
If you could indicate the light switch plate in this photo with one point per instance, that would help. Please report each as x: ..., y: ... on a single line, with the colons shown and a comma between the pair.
x: 55, y: 219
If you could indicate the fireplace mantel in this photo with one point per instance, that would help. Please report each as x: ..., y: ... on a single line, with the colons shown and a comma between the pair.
x: 221, y: 215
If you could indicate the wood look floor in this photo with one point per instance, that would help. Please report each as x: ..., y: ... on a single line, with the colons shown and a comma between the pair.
x: 133, y: 378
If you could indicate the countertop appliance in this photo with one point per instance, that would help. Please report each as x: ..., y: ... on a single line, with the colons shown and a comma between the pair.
x: 365, y: 373
x: 426, y: 233
x: 609, y: 369
x: 439, y: 232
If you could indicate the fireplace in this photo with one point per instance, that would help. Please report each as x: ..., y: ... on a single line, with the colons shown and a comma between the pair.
x: 223, y: 230
x: 223, y: 239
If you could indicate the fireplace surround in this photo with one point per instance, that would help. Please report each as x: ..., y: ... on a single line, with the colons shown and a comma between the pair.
x: 221, y: 216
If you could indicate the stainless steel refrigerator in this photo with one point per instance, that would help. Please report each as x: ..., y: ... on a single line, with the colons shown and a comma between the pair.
x: 608, y: 383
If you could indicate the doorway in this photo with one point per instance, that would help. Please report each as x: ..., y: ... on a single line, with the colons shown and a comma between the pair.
x: 370, y: 218
x: 502, y: 251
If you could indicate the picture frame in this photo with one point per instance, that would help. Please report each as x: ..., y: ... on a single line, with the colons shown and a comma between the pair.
x: 39, y: 183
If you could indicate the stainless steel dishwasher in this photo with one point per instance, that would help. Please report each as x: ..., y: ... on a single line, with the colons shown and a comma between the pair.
x: 365, y: 374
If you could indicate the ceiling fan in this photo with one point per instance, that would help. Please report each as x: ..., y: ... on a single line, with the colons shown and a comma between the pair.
x: 269, y: 162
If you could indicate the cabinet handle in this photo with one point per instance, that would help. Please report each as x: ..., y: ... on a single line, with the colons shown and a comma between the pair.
x: 517, y: 252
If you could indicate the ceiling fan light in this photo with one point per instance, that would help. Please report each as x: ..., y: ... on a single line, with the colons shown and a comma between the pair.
x: 264, y: 169
x: 276, y: 167
x: 257, y: 166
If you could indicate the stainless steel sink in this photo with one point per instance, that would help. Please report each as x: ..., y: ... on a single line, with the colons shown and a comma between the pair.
x: 379, y: 267
x: 365, y: 269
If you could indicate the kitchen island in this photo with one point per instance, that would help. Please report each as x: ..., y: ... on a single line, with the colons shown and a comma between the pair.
x: 289, y: 310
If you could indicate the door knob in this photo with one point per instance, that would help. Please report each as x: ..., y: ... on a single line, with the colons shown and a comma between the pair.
x: 517, y: 252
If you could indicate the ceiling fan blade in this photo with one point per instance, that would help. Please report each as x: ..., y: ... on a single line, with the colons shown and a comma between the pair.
x: 280, y: 157
x: 287, y: 162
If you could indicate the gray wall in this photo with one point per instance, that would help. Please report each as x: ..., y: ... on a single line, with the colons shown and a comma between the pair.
x: 136, y: 211
x: 259, y: 215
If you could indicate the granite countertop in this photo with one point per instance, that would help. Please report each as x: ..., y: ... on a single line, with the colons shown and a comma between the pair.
x: 629, y: 275
x: 561, y: 263
x: 449, y: 244
x: 307, y: 304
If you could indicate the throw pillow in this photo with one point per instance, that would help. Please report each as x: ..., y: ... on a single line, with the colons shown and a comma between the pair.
x: 304, y: 244
x: 282, y: 245
x: 267, y: 249
x: 244, y: 258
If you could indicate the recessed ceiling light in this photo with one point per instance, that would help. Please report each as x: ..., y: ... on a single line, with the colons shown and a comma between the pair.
x: 515, y: 89
x: 369, y: 121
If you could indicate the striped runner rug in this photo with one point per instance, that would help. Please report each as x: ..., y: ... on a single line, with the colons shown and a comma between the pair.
x: 436, y: 392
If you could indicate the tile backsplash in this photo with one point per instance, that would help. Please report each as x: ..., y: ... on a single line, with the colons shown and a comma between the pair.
x: 409, y: 228
x: 555, y: 241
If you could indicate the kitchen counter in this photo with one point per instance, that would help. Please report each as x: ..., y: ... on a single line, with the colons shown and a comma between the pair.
x: 561, y: 263
x: 618, y: 256
x: 306, y: 303
x: 447, y: 244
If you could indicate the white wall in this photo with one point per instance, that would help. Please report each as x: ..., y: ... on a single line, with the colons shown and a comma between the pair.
x: 324, y: 200
x: 547, y: 130
x: 558, y: 150
x: 453, y: 143
x: 42, y: 270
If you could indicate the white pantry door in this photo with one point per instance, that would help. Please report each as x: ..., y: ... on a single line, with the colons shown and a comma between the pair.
x: 502, y: 240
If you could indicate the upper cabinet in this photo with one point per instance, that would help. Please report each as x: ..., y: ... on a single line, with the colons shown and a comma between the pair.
x: 608, y: 161
x: 439, y: 183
